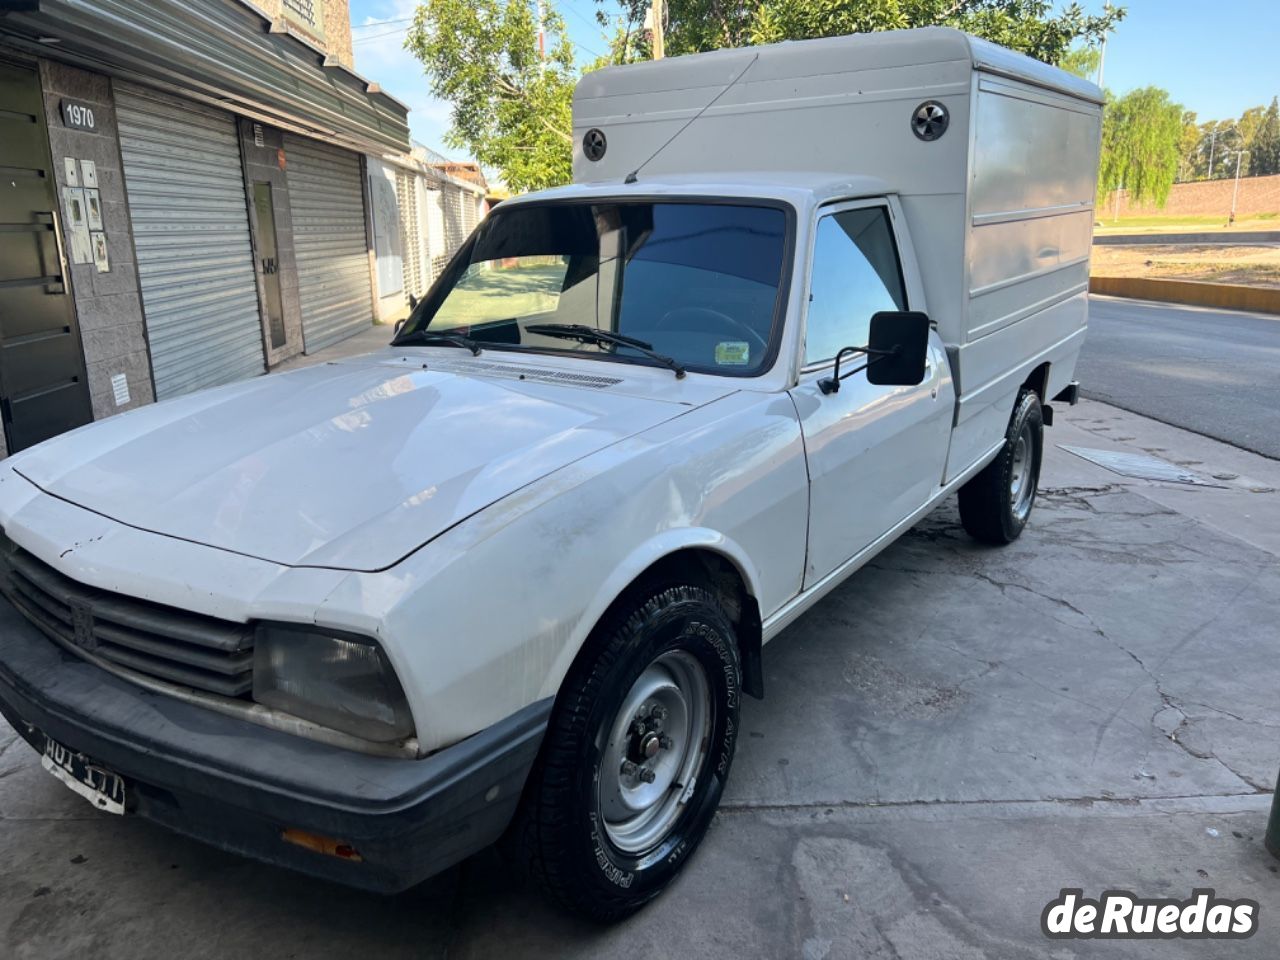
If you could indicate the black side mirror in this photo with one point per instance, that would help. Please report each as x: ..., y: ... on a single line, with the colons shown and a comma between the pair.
x: 899, y: 345
x: 413, y: 302
x: 898, y: 348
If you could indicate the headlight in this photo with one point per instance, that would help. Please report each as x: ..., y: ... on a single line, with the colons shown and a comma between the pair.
x: 336, y: 680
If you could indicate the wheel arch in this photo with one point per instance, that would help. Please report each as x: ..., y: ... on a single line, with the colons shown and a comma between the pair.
x: 696, y: 556
x: 1038, y: 380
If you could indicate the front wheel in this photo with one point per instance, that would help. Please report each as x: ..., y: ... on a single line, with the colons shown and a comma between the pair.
x: 996, y: 503
x: 636, y: 754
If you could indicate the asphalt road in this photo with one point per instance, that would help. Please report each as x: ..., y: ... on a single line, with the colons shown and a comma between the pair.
x: 1211, y: 371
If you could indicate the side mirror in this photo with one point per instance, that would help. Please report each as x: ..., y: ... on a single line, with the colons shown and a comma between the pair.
x: 898, y: 348
x: 413, y: 302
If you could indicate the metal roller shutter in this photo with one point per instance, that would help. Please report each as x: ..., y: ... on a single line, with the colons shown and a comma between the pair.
x: 191, y: 233
x: 455, y: 231
x: 470, y: 213
x: 407, y: 198
x: 329, y: 241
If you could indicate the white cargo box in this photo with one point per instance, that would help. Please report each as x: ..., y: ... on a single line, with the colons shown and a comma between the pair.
x: 999, y: 207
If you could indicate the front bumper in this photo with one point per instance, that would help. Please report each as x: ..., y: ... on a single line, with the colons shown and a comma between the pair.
x: 238, y: 785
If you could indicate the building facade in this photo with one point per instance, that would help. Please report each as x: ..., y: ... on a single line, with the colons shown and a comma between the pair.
x: 197, y: 193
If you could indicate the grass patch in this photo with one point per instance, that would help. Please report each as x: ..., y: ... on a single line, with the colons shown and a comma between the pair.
x: 1256, y: 221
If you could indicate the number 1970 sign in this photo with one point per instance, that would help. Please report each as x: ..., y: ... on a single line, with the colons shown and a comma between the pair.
x: 77, y: 115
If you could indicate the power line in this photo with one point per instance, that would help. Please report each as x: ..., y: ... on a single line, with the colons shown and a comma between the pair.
x: 388, y: 33
x: 379, y: 23
x: 582, y: 16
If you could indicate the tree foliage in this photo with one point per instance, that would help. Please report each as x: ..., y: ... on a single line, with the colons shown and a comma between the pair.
x: 510, y: 108
x: 1082, y: 60
x: 1264, y: 153
x: 1141, y: 132
x: 1209, y: 149
x: 513, y: 112
x: 1031, y: 26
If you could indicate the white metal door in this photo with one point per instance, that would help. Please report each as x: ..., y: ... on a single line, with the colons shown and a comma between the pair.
x: 329, y: 241
x: 875, y: 453
x: 191, y: 232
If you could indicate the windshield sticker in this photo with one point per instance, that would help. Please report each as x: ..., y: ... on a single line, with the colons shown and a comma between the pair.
x: 733, y: 353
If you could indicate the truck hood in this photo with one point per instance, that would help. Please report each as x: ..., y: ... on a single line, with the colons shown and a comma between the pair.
x: 349, y: 465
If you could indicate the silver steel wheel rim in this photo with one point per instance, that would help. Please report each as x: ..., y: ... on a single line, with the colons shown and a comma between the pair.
x: 643, y: 793
x: 1021, y: 488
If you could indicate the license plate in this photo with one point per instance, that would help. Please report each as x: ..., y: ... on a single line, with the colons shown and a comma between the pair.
x: 101, y: 787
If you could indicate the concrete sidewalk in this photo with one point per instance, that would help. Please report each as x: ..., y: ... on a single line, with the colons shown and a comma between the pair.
x: 375, y: 337
x: 950, y: 738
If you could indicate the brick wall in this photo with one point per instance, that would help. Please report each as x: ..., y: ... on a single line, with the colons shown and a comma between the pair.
x: 333, y: 33
x: 337, y: 30
x: 1206, y: 198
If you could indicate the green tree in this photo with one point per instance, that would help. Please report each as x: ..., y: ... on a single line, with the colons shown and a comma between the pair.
x: 1188, y: 147
x: 510, y: 107
x: 1083, y: 61
x: 1264, y: 152
x: 1031, y: 26
x: 1141, y: 132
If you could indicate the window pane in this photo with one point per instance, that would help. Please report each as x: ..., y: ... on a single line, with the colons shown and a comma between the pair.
x: 701, y: 281
x: 503, y: 290
x: 698, y: 281
x: 855, y: 275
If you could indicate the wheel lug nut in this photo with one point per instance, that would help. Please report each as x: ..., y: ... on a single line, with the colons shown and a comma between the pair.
x: 659, y: 712
x: 647, y: 775
x: 629, y: 769
x: 665, y: 742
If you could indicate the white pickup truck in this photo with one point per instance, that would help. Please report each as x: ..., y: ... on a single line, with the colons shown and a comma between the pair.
x: 511, y: 574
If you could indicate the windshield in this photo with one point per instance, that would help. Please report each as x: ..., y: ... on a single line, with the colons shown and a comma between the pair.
x: 697, y: 282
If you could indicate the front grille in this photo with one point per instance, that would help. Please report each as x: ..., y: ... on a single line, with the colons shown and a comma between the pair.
x: 188, y: 649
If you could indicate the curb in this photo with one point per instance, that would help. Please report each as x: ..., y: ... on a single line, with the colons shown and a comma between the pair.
x: 1217, y: 236
x: 1223, y: 296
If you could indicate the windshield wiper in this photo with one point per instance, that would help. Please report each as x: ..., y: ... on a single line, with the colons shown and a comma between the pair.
x: 584, y: 334
x: 439, y: 336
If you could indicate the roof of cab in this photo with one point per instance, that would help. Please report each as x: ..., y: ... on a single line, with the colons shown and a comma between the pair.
x: 800, y: 188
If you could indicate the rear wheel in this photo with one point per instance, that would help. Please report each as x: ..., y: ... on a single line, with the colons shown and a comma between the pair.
x: 996, y: 504
x: 636, y: 754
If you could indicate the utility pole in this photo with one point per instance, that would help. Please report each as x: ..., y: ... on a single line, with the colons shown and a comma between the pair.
x: 1235, y: 194
x: 1102, y: 54
x: 1213, y: 136
x: 542, y: 41
x: 659, y: 41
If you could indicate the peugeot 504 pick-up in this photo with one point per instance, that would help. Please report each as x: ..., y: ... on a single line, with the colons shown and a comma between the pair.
x: 510, y: 576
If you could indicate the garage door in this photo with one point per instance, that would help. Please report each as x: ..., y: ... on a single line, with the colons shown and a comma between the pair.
x: 191, y: 232
x: 329, y: 241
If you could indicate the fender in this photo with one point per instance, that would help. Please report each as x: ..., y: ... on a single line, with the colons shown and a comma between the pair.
x: 665, y: 544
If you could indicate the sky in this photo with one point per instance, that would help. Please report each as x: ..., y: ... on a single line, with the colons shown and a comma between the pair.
x: 1214, y: 58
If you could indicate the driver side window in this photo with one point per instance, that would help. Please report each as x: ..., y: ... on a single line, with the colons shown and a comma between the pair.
x: 855, y: 274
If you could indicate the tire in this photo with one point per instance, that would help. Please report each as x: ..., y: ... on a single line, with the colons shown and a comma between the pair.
x: 577, y: 836
x: 996, y: 504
